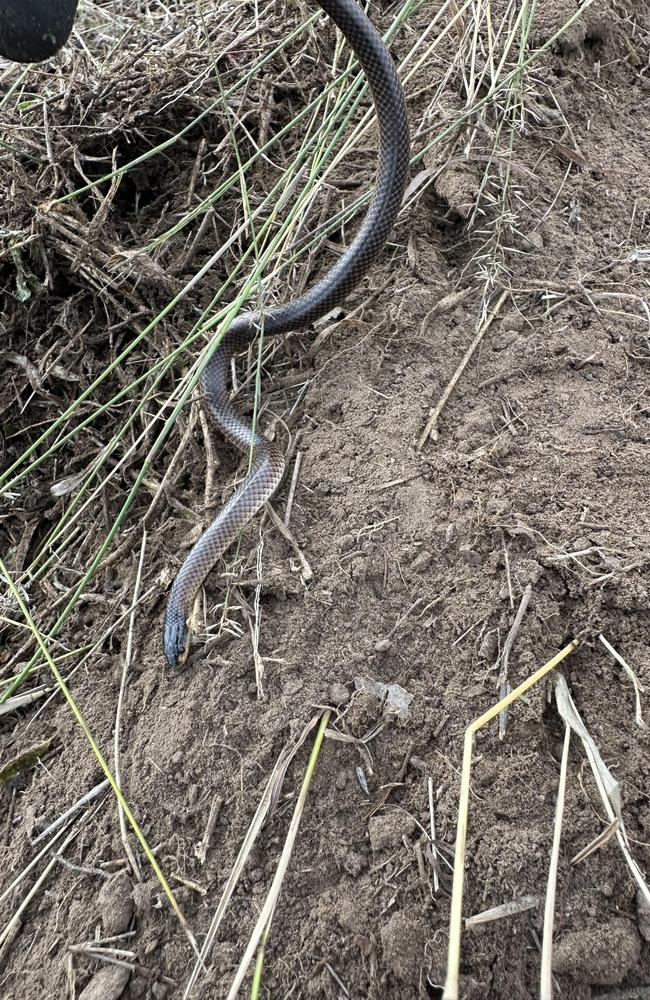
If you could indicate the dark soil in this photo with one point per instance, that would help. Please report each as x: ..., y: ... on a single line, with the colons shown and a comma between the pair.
x: 538, y: 476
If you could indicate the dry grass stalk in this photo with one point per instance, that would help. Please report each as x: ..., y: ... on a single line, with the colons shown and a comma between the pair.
x: 452, y: 982
x: 430, y: 430
x: 505, y: 655
x: 546, y: 972
x: 608, y: 787
x: 266, y: 804
x: 638, y: 689
x: 509, y: 909
x: 266, y: 916
x: 598, y: 842
x: 133, y: 861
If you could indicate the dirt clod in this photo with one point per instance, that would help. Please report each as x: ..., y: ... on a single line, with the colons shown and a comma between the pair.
x: 603, y: 954
x: 338, y: 694
x: 388, y: 829
x: 403, y: 939
x: 116, y: 904
x: 107, y: 984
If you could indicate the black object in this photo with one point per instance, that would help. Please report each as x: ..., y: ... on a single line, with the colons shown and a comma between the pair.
x: 33, y: 30
x: 266, y: 460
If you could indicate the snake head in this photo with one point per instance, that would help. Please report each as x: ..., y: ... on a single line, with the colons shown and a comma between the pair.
x: 176, y: 640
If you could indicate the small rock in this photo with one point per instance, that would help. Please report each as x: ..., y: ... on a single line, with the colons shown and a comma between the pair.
x: 535, y: 238
x: 403, y: 941
x: 459, y: 188
x: 387, y: 829
x: 422, y: 561
x: 503, y: 339
x: 528, y: 571
x: 603, y: 954
x: 514, y: 321
x: 354, y: 863
x: 467, y: 553
x: 116, y: 904
x: 497, y: 507
x: 395, y: 699
x: 341, y: 781
x: 107, y: 984
x: 338, y: 694
x: 488, y: 648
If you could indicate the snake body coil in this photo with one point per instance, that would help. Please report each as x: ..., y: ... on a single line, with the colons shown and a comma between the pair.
x: 31, y: 30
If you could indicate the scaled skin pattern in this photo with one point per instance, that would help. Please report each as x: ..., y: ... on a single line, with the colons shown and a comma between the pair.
x: 33, y: 30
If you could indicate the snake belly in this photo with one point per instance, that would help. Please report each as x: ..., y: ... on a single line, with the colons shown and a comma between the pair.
x: 267, y: 462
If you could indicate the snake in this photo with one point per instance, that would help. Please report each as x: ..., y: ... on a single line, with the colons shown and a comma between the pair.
x: 28, y: 33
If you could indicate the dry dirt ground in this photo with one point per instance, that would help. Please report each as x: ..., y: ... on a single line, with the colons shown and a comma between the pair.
x: 537, y: 478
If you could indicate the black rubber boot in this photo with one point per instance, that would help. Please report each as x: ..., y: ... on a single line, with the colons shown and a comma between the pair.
x: 33, y: 30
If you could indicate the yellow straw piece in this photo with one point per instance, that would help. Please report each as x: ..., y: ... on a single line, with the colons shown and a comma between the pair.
x: 456, y: 916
